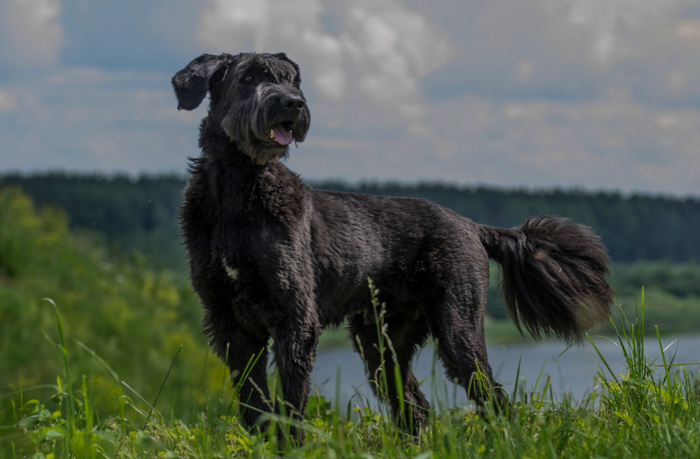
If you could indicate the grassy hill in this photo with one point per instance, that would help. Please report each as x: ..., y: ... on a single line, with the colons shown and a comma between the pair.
x: 135, y: 319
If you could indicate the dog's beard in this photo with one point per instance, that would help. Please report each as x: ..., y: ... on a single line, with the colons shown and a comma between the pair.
x: 259, y: 148
x: 251, y: 138
x: 261, y: 156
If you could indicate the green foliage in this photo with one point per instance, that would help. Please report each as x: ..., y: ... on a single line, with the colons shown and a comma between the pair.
x: 678, y: 279
x: 672, y: 292
x: 119, y: 311
x: 139, y: 214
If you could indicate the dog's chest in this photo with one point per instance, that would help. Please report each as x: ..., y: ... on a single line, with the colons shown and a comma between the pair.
x: 247, y: 246
x: 237, y: 259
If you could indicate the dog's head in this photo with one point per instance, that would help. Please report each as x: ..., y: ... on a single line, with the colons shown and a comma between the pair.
x: 255, y: 100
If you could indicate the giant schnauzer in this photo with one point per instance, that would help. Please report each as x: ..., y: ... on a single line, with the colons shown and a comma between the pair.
x: 272, y: 258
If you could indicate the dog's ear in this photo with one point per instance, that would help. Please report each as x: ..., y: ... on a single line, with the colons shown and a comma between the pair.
x: 192, y: 82
x: 297, y: 77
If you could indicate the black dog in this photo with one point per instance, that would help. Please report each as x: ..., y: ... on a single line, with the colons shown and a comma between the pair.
x: 272, y: 258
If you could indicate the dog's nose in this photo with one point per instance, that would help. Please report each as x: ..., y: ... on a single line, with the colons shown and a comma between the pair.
x: 292, y: 102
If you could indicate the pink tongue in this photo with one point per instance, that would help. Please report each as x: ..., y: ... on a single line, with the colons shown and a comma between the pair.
x: 282, y: 136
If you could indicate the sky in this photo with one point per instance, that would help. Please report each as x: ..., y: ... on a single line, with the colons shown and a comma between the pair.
x: 590, y: 94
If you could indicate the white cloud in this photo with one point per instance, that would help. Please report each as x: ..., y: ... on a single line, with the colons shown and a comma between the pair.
x: 543, y: 93
x: 617, y: 26
x: 88, y: 119
x: 617, y: 144
x: 32, y: 34
x: 381, y: 50
x: 7, y: 104
x: 391, y: 47
x: 595, y: 93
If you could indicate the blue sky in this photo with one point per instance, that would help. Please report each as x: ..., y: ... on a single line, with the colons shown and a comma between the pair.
x: 598, y: 94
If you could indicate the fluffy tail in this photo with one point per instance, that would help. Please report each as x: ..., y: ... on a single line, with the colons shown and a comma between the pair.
x: 554, y: 275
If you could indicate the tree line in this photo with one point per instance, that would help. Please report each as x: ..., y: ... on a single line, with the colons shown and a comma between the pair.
x: 140, y: 213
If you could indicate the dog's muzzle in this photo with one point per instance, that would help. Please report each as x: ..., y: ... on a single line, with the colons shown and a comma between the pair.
x: 292, y: 107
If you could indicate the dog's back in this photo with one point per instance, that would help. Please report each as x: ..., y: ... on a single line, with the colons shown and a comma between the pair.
x: 399, y: 243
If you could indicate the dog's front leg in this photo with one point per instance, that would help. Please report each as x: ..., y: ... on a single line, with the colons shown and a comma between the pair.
x: 244, y: 350
x: 294, y: 348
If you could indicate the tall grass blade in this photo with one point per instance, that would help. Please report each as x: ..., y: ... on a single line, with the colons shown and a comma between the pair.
x: 63, y: 348
x: 162, y: 385
x: 516, y: 386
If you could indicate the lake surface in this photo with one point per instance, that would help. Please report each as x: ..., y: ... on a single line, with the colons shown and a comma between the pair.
x: 572, y: 371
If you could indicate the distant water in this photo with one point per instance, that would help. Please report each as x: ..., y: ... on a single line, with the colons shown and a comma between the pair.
x: 572, y: 372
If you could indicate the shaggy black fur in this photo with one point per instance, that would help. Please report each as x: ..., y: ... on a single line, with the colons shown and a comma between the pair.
x: 273, y: 258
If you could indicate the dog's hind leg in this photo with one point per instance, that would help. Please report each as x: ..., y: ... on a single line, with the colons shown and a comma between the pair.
x: 404, y: 334
x: 454, y: 294
x: 457, y: 322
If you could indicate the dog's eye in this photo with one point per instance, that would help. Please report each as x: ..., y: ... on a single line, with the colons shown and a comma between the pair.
x: 248, y: 78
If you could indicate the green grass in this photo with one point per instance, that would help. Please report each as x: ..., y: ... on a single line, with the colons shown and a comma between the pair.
x: 652, y: 410
x: 115, y: 365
